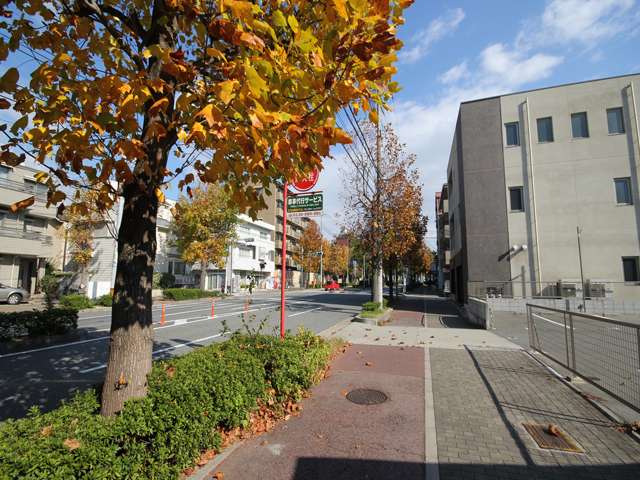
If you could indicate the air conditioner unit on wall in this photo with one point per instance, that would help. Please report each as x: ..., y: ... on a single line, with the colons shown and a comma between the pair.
x: 598, y: 289
x: 569, y: 288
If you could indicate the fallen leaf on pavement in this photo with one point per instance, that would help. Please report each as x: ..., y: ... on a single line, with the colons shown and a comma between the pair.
x: 359, y: 353
x: 376, y: 339
x: 218, y: 475
x: 344, y: 392
x: 368, y: 364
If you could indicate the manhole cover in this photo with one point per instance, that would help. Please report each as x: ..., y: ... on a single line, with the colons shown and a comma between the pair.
x: 558, y: 440
x: 366, y: 396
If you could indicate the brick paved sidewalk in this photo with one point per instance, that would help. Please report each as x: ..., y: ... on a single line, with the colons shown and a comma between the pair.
x: 482, y: 398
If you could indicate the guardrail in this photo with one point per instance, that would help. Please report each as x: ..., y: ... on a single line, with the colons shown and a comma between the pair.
x: 602, y: 351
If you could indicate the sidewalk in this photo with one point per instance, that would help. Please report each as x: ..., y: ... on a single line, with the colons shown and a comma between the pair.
x: 456, y: 396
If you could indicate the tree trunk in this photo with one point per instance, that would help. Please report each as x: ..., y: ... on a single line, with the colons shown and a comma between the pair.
x: 131, y: 344
x: 203, y: 276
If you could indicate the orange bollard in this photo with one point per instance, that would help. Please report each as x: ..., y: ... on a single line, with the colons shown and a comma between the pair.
x: 162, y: 319
x: 212, y: 310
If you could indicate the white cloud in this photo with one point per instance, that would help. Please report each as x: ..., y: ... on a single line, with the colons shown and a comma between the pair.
x: 512, y: 68
x: 581, y: 22
x: 438, y: 28
x: 455, y: 73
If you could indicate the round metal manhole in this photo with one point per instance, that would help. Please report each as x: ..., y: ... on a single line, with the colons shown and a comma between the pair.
x: 367, y: 396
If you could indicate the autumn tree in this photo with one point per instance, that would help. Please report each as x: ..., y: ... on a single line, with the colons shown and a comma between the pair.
x: 383, y: 196
x: 203, y: 227
x: 336, y: 258
x: 125, y: 95
x: 308, y: 253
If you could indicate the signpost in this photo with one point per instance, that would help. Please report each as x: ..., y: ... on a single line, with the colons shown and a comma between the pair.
x: 307, y: 205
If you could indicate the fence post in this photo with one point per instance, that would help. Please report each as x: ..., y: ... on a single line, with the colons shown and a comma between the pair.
x: 573, y: 345
x: 566, y: 337
x: 530, y: 325
x: 638, y: 335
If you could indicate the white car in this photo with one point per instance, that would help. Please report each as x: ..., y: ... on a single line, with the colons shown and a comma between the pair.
x: 13, y: 295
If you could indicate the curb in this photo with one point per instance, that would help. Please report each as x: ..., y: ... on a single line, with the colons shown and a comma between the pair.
x: 203, y: 472
x: 374, y: 321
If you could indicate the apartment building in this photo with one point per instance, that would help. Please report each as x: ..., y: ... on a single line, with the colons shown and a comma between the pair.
x: 443, y: 256
x: 543, y: 193
x: 273, y: 214
x: 31, y: 237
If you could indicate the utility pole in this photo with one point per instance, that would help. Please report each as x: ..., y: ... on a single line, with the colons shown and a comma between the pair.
x: 321, y: 254
x: 377, y: 273
x: 584, y: 301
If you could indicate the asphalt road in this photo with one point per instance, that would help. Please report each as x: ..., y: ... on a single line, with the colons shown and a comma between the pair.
x: 45, y: 375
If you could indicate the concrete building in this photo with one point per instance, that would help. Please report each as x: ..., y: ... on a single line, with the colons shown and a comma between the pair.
x: 31, y: 237
x: 443, y: 256
x: 527, y: 172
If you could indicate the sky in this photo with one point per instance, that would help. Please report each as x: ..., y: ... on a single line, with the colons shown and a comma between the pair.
x: 465, y: 50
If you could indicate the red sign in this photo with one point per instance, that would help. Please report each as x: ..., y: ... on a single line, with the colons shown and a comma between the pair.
x: 308, y: 182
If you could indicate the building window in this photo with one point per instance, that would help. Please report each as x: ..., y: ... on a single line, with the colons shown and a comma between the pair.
x: 34, y: 225
x: 516, y: 199
x: 579, y: 125
x: 39, y: 189
x: 246, y: 252
x: 623, y: 190
x: 264, y: 235
x: 513, y: 133
x: 545, y: 130
x: 4, y: 171
x: 630, y: 269
x: 615, y: 120
x: 177, y: 268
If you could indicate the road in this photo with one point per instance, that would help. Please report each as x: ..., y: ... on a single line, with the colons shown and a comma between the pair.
x: 45, y: 375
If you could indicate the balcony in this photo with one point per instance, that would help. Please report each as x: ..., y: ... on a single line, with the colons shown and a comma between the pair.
x: 19, y: 242
x: 31, y: 188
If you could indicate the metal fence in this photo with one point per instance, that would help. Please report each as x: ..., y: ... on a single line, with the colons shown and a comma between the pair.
x: 602, y: 351
x: 590, y: 289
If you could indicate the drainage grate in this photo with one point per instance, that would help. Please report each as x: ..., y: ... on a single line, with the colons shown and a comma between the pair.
x: 558, y: 440
x: 366, y: 396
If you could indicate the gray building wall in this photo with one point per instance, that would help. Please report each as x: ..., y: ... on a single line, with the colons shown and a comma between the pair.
x: 569, y: 183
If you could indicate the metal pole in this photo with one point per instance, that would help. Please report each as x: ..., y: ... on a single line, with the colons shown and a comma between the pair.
x: 321, y: 254
x: 283, y: 271
x: 573, y: 345
x: 584, y: 301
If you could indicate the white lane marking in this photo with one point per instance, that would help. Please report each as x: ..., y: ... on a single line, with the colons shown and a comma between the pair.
x: 162, y: 350
x: 186, y: 321
x: 27, y: 352
x: 158, y: 306
x: 550, y: 321
x: 432, y: 470
x: 302, y: 313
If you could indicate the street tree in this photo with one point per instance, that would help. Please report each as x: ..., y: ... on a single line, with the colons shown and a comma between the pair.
x: 308, y: 253
x: 383, y: 197
x: 126, y: 96
x: 336, y: 258
x: 203, y: 227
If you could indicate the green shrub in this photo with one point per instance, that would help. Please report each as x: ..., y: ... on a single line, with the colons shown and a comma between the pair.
x: 104, y: 300
x: 56, y: 321
x: 157, y: 437
x: 163, y: 280
x: 188, y: 293
x: 50, y: 284
x: 77, y: 301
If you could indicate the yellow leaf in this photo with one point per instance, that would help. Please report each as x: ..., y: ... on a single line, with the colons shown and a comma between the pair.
x: 159, y: 195
x: 225, y: 90
x: 278, y: 19
x: 341, y: 8
x: 215, y: 53
x: 373, y: 116
x: 211, y: 114
x: 340, y: 136
x: 161, y: 104
x: 293, y: 23
x: 240, y: 9
x: 41, y: 177
x: 197, y: 132
x: 256, y: 83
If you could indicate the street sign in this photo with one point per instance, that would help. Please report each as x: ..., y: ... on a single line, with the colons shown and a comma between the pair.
x: 307, y: 183
x: 305, y: 204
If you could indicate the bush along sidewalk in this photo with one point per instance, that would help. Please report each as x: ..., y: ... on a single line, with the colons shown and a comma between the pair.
x: 57, y: 321
x: 195, y: 403
x: 189, y: 293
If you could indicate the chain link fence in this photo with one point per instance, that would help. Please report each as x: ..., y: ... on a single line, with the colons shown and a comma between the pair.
x: 602, y: 351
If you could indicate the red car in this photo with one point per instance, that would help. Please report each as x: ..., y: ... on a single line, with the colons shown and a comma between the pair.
x: 332, y: 285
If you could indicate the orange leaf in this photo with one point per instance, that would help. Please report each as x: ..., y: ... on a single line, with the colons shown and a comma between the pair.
x: 71, y: 444
x: 22, y: 204
x: 161, y: 104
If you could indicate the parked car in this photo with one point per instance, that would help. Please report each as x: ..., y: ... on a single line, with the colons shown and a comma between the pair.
x: 332, y: 285
x: 13, y: 296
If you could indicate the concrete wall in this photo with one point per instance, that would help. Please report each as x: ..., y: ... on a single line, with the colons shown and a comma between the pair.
x: 484, y: 184
x: 478, y: 312
x: 573, y: 180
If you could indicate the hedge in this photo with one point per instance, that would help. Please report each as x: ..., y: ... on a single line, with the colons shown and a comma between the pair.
x: 57, y: 321
x: 190, y: 399
x: 77, y: 301
x: 188, y: 293
x: 374, y: 306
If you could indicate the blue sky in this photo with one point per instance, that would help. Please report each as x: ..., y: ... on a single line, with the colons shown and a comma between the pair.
x: 457, y: 51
